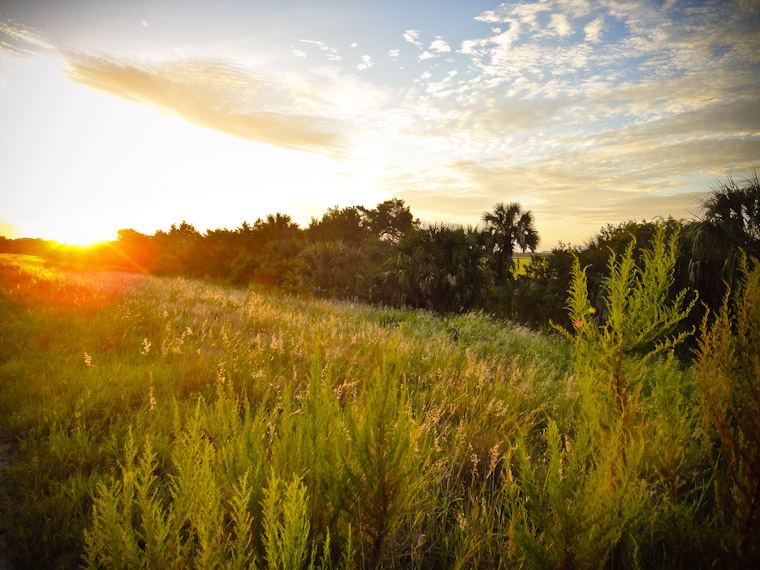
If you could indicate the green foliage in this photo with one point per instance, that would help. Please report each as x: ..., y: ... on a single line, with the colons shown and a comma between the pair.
x: 727, y: 370
x: 156, y: 422
x: 391, y: 220
x: 386, y: 467
x: 286, y: 525
x: 541, y: 292
x: 337, y: 269
x: 729, y: 228
x: 438, y: 268
x: 639, y: 319
x: 582, y: 502
x: 572, y: 505
x: 347, y: 225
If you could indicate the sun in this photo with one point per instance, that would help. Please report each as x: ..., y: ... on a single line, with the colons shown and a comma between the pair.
x: 82, y: 237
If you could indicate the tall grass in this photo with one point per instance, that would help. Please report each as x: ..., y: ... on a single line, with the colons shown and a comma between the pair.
x: 171, y: 423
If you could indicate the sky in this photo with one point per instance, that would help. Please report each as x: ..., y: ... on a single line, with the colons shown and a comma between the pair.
x: 143, y: 113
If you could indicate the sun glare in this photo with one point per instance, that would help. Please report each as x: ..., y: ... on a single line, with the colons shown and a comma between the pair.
x: 80, y: 237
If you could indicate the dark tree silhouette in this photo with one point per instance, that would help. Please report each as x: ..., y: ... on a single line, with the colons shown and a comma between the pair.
x: 391, y: 220
x: 438, y: 268
x: 729, y: 226
x: 348, y: 225
x: 134, y: 251
x: 506, y: 227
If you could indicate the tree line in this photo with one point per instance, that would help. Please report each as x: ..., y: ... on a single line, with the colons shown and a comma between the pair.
x: 384, y: 255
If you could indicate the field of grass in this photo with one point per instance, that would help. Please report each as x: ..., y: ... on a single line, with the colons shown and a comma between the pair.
x: 168, y: 423
x: 521, y: 261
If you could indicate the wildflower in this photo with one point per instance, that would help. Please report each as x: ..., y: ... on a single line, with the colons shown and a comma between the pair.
x: 146, y: 346
x: 578, y: 323
x: 87, y: 360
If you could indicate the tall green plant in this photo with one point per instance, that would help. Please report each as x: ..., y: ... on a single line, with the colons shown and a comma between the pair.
x: 727, y: 372
x: 386, y: 466
x: 638, y: 323
x: 573, y: 503
x: 575, y: 499
x: 286, y: 524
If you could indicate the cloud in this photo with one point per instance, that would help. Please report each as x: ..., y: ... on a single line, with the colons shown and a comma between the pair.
x: 490, y: 17
x: 412, y: 36
x: 593, y: 30
x: 394, y: 52
x: 439, y: 46
x: 212, y: 94
x: 569, y: 202
x: 560, y: 25
x: 21, y: 41
x: 720, y: 119
x: 470, y: 47
x: 331, y: 53
x: 366, y: 63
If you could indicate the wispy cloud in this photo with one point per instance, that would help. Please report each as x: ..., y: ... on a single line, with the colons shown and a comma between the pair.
x: 330, y: 52
x: 18, y: 41
x: 597, y: 109
x: 216, y: 95
x: 412, y: 36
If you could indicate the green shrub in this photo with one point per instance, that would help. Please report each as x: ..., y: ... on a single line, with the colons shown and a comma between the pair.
x: 727, y: 371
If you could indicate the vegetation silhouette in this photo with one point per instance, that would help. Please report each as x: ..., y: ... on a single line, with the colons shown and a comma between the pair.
x: 383, y: 255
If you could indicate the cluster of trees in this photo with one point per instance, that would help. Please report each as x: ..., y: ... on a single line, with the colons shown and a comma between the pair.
x: 709, y: 255
x: 380, y: 255
x: 384, y: 255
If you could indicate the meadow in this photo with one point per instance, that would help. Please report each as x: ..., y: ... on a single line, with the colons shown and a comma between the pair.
x: 172, y: 423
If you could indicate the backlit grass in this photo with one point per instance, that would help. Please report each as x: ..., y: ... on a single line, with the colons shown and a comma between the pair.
x: 169, y: 423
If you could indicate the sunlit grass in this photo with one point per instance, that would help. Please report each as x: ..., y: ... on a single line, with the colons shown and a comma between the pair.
x: 170, y: 423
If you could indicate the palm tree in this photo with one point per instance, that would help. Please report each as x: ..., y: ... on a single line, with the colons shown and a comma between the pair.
x: 730, y: 227
x: 506, y: 227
